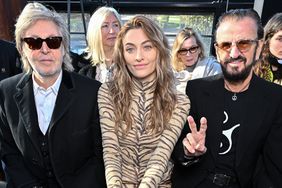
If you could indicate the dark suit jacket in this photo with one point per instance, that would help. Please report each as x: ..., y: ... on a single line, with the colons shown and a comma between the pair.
x: 9, y: 60
x: 75, y: 143
x: 260, y: 135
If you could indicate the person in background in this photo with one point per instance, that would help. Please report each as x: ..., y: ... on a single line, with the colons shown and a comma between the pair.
x: 270, y: 65
x: 239, y: 146
x: 141, y: 113
x: 10, y: 63
x: 102, y: 31
x: 189, y: 60
x: 49, y: 121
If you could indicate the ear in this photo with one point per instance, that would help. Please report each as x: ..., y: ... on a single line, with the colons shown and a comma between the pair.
x: 216, y: 52
x: 259, y: 48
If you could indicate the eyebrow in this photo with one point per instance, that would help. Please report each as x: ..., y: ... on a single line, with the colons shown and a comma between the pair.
x: 190, y: 47
x: 112, y: 22
x: 129, y: 43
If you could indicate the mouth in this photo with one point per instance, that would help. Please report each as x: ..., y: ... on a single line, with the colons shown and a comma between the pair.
x: 46, y: 61
x: 139, y: 66
x: 188, y: 60
x: 112, y: 38
x: 235, y: 62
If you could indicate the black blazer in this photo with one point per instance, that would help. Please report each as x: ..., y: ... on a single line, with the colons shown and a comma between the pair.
x: 75, y: 142
x: 10, y: 63
x: 258, y: 152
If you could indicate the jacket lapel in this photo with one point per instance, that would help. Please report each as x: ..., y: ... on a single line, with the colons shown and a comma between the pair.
x: 24, y: 99
x: 213, y: 108
x: 64, y: 99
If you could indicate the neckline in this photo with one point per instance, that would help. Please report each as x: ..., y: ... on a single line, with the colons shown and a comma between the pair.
x: 234, y: 96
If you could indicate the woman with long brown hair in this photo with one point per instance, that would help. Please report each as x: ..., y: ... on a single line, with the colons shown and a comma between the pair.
x: 141, y: 113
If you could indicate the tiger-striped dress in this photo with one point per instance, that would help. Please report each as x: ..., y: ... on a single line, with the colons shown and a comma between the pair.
x: 139, y: 159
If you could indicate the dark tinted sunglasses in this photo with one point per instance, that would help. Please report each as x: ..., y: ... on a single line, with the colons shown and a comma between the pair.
x: 184, y: 51
x: 36, y: 43
x: 242, y: 45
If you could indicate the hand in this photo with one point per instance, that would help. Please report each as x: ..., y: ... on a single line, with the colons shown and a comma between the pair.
x: 194, y: 142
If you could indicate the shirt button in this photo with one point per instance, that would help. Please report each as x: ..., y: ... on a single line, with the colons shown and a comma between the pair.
x: 49, y: 174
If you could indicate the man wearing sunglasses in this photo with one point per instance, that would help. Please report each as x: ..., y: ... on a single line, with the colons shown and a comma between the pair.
x: 49, y: 121
x: 238, y: 144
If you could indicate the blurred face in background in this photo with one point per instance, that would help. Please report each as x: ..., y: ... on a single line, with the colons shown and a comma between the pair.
x: 189, y: 52
x: 140, y: 55
x: 275, y: 45
x: 109, y: 30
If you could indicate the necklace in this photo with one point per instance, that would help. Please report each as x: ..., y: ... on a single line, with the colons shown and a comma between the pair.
x: 234, y: 96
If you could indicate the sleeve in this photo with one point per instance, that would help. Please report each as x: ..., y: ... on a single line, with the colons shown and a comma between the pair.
x: 17, y: 173
x: 111, y: 149
x: 159, y: 160
x: 269, y: 166
x: 178, y: 152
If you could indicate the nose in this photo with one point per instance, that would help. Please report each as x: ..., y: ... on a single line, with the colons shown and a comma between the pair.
x: 188, y: 53
x: 139, y: 55
x: 112, y: 30
x: 44, y: 48
x: 234, y: 51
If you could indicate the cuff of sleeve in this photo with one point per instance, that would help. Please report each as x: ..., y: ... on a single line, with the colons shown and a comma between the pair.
x: 189, y: 160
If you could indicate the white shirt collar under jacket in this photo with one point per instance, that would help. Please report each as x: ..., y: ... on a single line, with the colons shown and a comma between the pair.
x: 45, y: 102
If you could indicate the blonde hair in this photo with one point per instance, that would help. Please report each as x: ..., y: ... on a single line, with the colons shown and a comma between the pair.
x: 95, y: 48
x: 164, y: 99
x: 183, y: 35
x: 31, y: 13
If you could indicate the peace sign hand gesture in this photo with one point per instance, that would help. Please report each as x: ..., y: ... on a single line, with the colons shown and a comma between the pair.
x: 194, y: 142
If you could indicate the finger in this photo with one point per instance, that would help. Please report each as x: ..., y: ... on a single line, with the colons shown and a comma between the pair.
x: 187, y: 147
x: 192, y: 124
x: 201, y: 148
x: 191, y: 140
x: 203, y: 126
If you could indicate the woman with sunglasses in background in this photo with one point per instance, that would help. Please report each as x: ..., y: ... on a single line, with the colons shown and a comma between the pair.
x: 270, y: 65
x: 49, y: 122
x: 189, y: 60
x: 102, y: 31
x: 141, y: 113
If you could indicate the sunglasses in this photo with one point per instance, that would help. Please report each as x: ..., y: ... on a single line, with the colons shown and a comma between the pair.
x: 36, y: 43
x: 191, y: 50
x: 242, y: 45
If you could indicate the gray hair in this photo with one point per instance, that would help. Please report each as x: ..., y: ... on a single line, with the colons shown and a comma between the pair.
x: 31, y: 13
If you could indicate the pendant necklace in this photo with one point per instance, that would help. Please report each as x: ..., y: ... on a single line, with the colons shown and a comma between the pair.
x: 234, y: 96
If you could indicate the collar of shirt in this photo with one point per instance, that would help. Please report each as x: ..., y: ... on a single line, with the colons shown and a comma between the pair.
x: 54, y: 88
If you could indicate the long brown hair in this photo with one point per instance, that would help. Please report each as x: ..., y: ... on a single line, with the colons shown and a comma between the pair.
x: 121, y: 87
x: 273, y: 26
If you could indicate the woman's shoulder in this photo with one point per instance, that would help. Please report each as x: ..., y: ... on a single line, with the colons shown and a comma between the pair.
x: 210, y: 60
x: 79, y: 60
x: 88, y: 70
x: 211, y: 63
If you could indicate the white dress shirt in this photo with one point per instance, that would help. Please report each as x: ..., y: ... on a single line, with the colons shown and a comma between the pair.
x: 45, y: 102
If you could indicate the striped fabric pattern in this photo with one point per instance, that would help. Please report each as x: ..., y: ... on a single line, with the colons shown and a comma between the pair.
x: 139, y: 159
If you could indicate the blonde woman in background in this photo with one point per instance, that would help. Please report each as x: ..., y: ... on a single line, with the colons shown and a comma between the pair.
x: 189, y: 60
x: 102, y: 31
